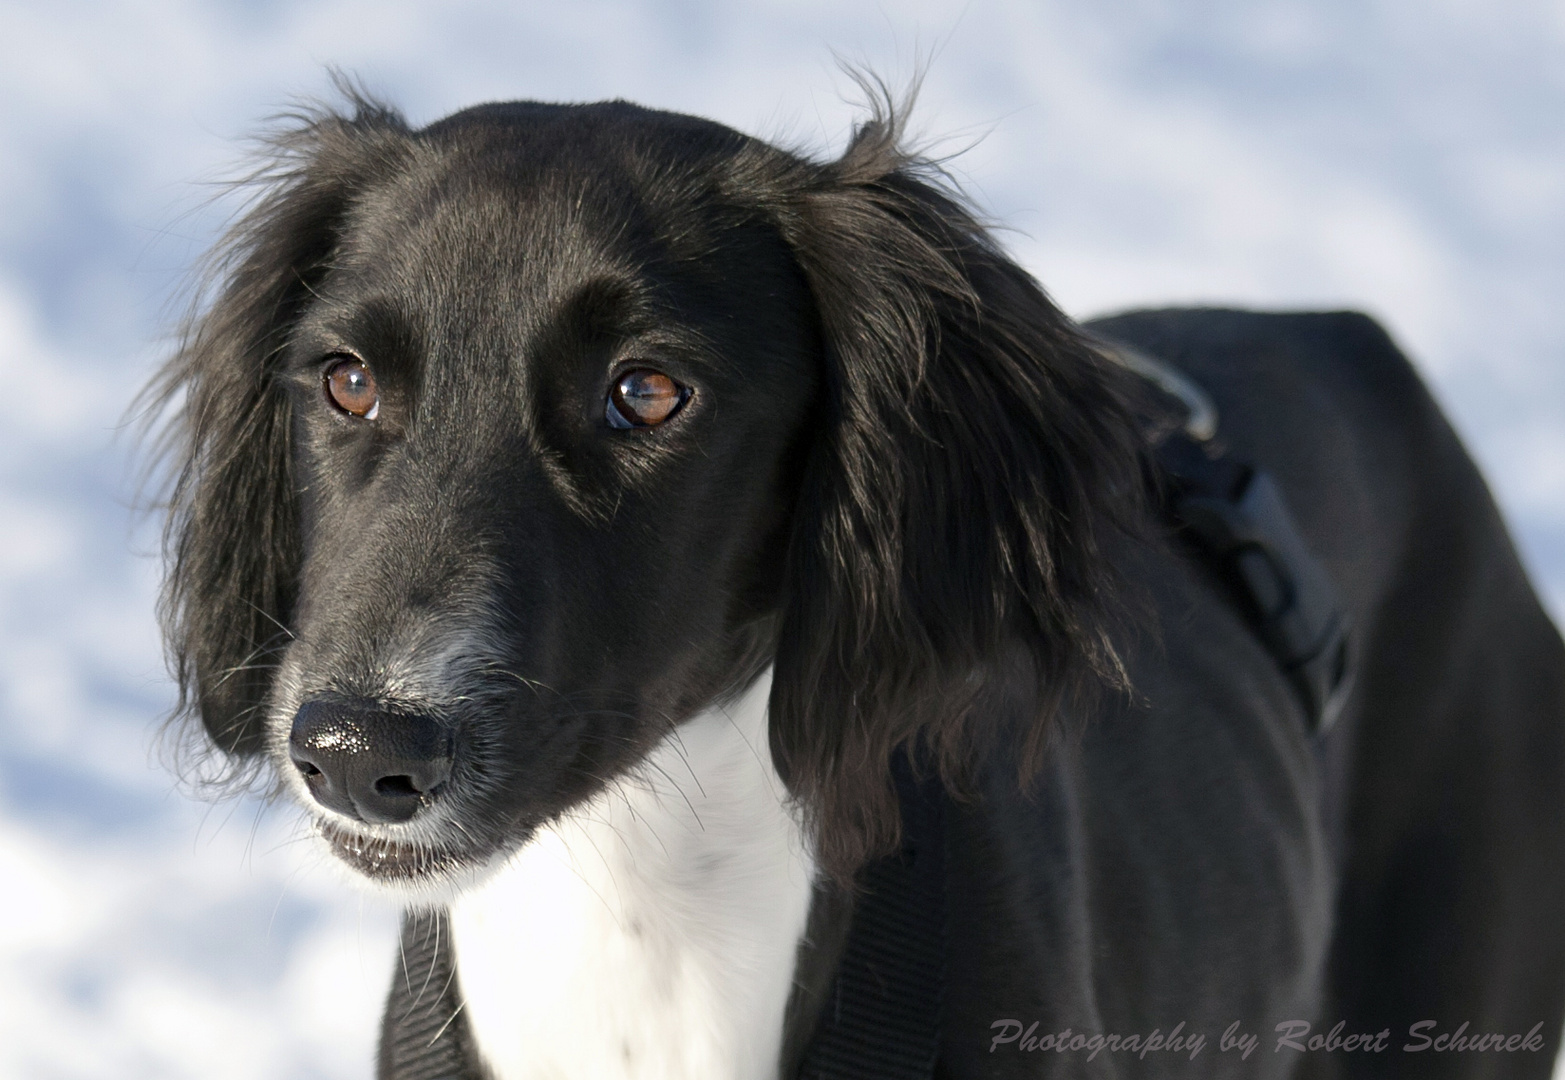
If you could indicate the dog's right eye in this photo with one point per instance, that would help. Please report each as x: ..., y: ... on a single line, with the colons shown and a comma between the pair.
x: 644, y: 398
x: 351, y: 387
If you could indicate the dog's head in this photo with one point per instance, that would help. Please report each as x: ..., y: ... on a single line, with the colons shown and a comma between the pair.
x: 510, y: 443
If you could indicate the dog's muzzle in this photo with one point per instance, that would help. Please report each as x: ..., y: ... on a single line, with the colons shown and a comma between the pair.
x: 369, y: 764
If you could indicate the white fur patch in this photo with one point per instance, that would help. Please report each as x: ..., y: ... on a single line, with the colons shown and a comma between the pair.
x: 651, y: 933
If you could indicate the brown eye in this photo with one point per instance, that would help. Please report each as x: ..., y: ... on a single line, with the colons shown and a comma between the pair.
x: 643, y: 398
x: 351, y: 386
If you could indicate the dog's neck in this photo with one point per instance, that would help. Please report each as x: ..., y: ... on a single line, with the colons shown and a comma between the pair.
x: 651, y: 933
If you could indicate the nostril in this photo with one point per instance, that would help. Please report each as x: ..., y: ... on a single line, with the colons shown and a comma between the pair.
x: 395, y: 786
x: 306, y: 769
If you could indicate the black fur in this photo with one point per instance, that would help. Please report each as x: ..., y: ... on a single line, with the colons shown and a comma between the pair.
x: 907, y: 482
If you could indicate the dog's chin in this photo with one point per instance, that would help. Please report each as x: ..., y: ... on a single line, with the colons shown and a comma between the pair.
x: 408, y: 871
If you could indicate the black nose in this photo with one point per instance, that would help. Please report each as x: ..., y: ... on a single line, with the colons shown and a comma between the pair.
x: 366, y: 763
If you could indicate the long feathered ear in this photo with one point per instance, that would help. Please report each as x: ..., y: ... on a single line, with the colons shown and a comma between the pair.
x: 231, y: 538
x: 947, y: 583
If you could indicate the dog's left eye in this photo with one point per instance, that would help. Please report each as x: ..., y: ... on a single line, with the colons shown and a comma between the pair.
x: 350, y: 384
x: 644, y: 398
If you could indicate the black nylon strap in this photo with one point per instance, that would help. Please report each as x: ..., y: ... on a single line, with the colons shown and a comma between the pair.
x: 1241, y: 526
x: 1238, y: 519
x: 882, y: 1017
x: 423, y: 1035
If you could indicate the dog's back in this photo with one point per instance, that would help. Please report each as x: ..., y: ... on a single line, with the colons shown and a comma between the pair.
x: 1440, y: 789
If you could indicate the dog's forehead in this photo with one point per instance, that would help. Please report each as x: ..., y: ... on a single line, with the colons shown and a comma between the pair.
x: 534, y: 195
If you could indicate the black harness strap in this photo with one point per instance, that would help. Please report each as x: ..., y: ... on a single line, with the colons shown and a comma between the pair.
x: 1237, y: 517
x: 881, y: 1020
x: 423, y: 1035
x: 1239, y: 523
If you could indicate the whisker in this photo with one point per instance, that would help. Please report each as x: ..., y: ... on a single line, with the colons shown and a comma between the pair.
x: 460, y: 1006
x: 675, y: 784
x: 271, y: 618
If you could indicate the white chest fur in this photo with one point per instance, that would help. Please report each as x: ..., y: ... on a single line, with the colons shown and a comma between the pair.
x: 652, y: 933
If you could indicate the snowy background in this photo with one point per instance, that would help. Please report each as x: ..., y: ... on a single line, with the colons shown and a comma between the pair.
x: 1403, y: 158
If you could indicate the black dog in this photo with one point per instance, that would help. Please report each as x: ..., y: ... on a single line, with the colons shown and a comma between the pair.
x: 746, y: 620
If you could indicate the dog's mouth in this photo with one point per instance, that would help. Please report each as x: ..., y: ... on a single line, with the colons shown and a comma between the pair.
x: 390, y: 861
